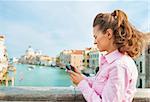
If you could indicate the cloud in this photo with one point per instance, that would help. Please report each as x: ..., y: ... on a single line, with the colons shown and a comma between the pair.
x: 54, y: 26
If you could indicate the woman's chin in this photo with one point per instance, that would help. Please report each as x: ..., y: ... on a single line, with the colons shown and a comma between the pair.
x: 100, y: 50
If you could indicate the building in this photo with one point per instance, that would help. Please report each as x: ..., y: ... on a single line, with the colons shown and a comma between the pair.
x: 64, y: 57
x: 3, y: 54
x: 30, y: 51
x: 45, y: 60
x: 94, y: 57
x: 143, y: 65
x: 147, y: 56
x: 35, y: 57
x: 140, y: 62
x: 73, y: 57
x: 86, y: 57
x: 5, y: 67
x: 76, y: 59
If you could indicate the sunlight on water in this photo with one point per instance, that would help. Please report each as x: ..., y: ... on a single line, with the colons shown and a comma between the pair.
x: 41, y: 76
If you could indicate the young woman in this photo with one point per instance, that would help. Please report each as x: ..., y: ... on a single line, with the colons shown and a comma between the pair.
x: 117, y: 77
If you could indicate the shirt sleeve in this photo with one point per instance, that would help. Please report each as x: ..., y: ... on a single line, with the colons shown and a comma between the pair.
x: 112, y: 91
x: 89, y: 94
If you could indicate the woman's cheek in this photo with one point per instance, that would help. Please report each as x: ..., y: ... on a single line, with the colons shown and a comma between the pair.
x: 99, y: 45
x: 102, y: 45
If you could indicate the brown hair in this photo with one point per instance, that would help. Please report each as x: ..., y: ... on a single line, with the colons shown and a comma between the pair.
x: 126, y: 37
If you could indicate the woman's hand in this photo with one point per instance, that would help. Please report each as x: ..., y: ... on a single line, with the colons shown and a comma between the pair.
x: 76, y: 76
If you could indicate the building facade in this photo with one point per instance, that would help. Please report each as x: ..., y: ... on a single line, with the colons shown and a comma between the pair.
x: 143, y: 65
x: 86, y: 57
x: 76, y: 59
x: 147, y: 66
x: 94, y: 55
x: 65, y: 57
x: 94, y: 59
x: 3, y: 54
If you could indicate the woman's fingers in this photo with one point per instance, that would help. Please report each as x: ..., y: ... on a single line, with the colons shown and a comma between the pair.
x: 72, y: 77
x: 76, y: 69
x: 72, y: 73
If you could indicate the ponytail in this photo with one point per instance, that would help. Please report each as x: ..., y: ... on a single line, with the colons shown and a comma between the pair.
x: 126, y: 37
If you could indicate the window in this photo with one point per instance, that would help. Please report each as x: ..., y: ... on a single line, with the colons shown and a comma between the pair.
x: 88, y: 60
x: 83, y: 61
x: 140, y: 67
x: 140, y: 83
x: 148, y: 50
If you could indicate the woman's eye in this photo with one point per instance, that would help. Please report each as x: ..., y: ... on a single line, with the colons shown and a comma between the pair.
x: 95, y: 37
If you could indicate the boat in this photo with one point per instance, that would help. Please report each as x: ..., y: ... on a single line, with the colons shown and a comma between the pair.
x: 31, y: 66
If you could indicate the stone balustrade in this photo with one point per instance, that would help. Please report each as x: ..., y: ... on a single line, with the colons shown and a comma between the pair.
x: 55, y: 94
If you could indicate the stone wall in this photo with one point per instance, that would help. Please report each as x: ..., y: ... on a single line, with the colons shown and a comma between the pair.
x: 55, y: 94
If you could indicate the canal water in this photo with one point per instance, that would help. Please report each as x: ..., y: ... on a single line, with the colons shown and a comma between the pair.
x: 41, y: 76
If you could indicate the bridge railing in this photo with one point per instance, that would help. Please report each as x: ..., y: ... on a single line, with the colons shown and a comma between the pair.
x: 55, y: 94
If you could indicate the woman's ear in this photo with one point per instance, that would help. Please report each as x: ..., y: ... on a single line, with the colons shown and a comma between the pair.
x: 109, y: 33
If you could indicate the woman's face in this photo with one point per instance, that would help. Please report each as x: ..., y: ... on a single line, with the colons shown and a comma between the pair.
x: 100, y: 39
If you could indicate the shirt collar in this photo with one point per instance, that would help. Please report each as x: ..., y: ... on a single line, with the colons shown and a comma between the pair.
x: 111, y: 57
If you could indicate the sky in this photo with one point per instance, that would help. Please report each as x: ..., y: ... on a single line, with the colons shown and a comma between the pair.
x: 53, y: 26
